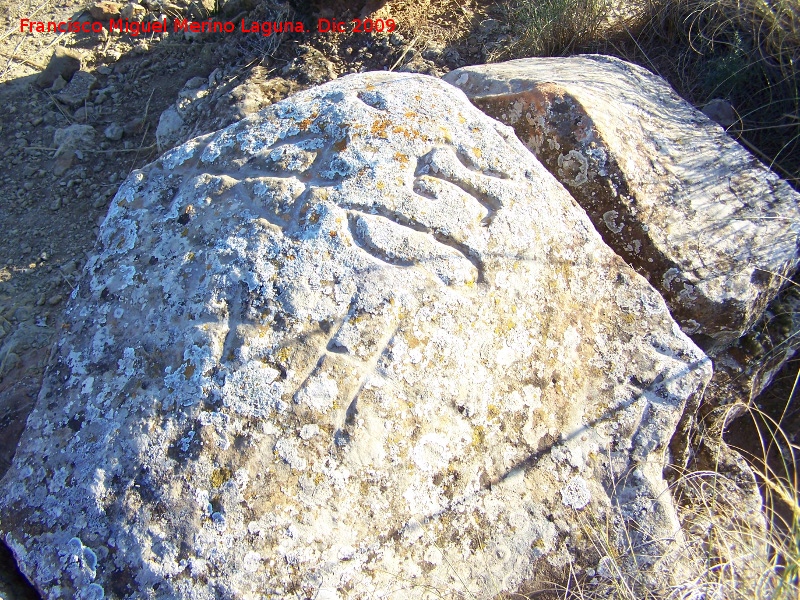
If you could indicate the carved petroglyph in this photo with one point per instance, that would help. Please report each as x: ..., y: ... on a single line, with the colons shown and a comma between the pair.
x: 360, y: 338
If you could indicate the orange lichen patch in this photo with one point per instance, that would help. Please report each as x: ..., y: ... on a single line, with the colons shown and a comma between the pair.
x: 477, y: 152
x: 379, y: 127
x: 332, y: 233
x: 401, y: 158
x: 380, y: 185
x: 306, y: 123
x: 410, y: 114
x: 409, y: 133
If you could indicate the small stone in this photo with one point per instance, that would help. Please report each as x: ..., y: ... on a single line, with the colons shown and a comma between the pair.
x: 64, y: 63
x: 9, y: 363
x: 133, y: 126
x: 133, y: 11
x: 169, y: 128
x: 23, y: 313
x: 56, y: 299
x: 114, y: 132
x: 59, y: 84
x: 105, y: 10
x: 721, y: 112
x: 78, y: 89
x: 194, y: 83
x: 55, y: 204
x: 84, y: 114
x: 67, y: 141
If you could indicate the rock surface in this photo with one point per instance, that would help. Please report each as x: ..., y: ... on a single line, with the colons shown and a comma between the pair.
x: 63, y: 63
x: 715, y: 231
x: 358, y: 344
x: 78, y: 89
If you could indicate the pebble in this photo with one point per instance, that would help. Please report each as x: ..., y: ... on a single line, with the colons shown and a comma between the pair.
x: 10, y: 362
x: 194, y: 83
x: 23, y: 313
x: 59, y: 84
x: 114, y: 132
x: 55, y: 299
x: 78, y: 89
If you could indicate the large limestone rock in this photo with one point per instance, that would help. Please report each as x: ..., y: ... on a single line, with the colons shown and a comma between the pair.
x: 714, y: 231
x: 361, y: 344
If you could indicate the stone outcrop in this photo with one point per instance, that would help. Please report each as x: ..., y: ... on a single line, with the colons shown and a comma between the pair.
x: 711, y: 228
x: 361, y: 344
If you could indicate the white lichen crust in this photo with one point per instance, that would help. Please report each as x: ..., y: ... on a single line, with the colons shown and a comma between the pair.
x: 358, y: 345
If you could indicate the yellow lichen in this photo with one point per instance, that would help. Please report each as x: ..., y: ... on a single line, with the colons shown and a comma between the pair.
x: 478, y: 436
x: 220, y: 476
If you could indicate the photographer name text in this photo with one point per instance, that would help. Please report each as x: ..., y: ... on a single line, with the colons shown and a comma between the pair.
x: 265, y: 28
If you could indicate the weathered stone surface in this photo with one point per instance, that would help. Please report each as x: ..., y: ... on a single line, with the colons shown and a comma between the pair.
x: 714, y: 230
x: 361, y: 344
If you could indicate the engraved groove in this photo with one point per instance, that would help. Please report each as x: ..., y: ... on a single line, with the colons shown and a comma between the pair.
x: 352, y: 221
x: 438, y: 164
x: 468, y: 163
x: 441, y: 237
